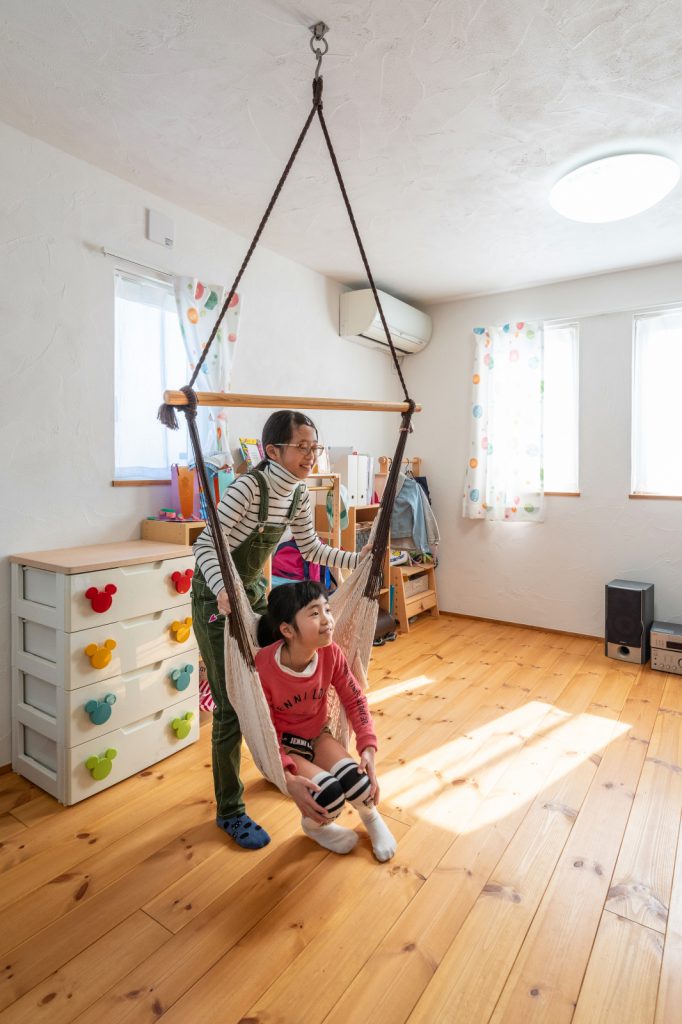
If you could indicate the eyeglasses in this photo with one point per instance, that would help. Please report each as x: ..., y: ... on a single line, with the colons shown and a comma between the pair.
x: 305, y: 449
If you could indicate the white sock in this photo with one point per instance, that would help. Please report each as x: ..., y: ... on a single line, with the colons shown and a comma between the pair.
x: 383, y: 841
x: 332, y: 837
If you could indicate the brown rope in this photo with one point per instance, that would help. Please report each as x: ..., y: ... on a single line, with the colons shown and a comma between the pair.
x: 237, y: 627
x: 361, y: 247
x: 168, y: 416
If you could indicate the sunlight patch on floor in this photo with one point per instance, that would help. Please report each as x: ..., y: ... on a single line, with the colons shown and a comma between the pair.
x: 394, y: 689
x: 465, y: 784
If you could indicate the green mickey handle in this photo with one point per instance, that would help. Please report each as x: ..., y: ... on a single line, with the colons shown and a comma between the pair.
x: 182, y: 726
x: 99, y: 767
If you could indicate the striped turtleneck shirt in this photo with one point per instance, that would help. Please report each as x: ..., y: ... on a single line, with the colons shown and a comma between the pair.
x: 238, y: 515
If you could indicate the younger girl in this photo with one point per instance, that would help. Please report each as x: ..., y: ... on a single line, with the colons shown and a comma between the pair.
x: 296, y: 671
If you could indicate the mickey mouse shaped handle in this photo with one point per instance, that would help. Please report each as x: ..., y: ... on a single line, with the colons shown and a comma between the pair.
x: 100, y: 766
x: 100, y: 710
x: 101, y: 600
x: 183, y: 580
x: 183, y: 726
x: 180, y: 677
x: 100, y: 654
x: 181, y: 630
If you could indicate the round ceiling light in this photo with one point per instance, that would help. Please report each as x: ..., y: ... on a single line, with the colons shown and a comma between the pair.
x: 614, y: 188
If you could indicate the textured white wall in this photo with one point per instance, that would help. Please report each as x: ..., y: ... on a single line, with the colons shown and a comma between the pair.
x: 551, y: 574
x: 57, y: 346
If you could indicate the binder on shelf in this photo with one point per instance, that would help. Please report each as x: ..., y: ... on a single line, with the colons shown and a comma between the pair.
x: 356, y: 471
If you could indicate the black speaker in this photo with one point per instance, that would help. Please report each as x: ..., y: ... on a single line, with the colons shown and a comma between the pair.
x: 629, y: 614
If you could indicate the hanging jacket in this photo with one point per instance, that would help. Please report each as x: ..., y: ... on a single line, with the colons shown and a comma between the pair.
x: 408, y: 523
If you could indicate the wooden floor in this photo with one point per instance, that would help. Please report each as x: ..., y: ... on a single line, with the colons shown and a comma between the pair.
x: 535, y: 789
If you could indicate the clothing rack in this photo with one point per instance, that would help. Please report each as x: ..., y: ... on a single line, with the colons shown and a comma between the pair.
x: 412, y: 466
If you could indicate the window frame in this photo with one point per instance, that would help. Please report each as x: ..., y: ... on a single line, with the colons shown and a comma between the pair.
x: 549, y: 325
x: 139, y: 476
x: 645, y: 314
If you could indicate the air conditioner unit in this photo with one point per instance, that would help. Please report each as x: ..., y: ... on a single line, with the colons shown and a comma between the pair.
x: 360, y: 321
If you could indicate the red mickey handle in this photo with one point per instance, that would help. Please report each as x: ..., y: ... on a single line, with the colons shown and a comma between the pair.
x: 183, y: 580
x: 101, y: 600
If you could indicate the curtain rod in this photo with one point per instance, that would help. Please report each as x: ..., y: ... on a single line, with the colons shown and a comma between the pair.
x: 135, y: 263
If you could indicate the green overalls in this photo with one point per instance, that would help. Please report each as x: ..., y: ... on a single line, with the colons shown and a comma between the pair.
x: 249, y: 558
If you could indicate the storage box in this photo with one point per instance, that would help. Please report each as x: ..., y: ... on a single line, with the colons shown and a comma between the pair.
x: 416, y: 585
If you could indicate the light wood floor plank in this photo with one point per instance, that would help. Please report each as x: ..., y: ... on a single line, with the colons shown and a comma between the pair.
x: 62, y: 996
x: 545, y: 981
x: 621, y: 978
x: 95, y: 873
x: 642, y: 879
x: 670, y: 988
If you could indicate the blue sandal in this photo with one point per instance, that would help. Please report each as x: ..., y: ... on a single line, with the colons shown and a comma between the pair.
x: 245, y: 832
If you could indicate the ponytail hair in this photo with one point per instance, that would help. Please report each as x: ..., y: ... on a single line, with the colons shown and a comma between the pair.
x: 284, y: 604
x: 279, y: 429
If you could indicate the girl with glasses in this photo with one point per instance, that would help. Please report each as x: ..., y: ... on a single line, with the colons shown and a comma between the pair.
x: 254, y: 512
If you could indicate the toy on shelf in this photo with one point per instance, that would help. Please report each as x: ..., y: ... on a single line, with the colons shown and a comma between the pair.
x: 169, y: 515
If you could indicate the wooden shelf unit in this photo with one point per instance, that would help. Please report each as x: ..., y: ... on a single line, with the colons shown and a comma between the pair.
x: 360, y: 519
x: 411, y: 597
x: 173, y: 531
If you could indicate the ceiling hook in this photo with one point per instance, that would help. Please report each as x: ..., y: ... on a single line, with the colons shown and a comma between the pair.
x: 319, y: 30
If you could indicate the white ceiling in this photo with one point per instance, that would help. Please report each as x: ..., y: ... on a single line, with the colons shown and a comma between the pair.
x: 451, y: 120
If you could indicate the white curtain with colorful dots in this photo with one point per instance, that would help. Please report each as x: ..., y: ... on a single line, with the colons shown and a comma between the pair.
x: 199, y: 305
x: 504, y: 473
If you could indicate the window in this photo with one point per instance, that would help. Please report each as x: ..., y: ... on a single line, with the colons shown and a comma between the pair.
x: 561, y: 425
x: 150, y: 357
x: 656, y: 408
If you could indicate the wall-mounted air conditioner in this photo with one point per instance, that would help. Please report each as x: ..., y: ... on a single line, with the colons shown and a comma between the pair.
x: 360, y: 321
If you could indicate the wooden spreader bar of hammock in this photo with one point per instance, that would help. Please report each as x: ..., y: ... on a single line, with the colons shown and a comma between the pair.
x: 221, y: 398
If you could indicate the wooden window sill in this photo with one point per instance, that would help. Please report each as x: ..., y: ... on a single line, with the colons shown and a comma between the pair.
x: 562, y: 494
x: 656, y: 497
x: 140, y: 483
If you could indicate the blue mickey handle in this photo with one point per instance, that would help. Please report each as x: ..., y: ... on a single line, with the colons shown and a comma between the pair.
x: 180, y: 676
x: 100, y: 710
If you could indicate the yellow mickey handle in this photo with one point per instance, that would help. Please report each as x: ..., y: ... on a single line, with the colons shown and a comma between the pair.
x: 100, y: 655
x: 181, y: 630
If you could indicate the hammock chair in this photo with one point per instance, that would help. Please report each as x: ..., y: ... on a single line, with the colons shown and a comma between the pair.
x: 355, y: 603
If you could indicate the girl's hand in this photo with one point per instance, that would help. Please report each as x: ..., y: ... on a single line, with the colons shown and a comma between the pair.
x: 223, y: 603
x: 301, y: 792
x: 367, y: 766
x: 366, y: 549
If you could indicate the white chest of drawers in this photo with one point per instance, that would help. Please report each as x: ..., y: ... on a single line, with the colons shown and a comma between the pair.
x: 105, y: 678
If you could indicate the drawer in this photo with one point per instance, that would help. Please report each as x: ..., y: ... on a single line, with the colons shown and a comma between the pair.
x: 97, y: 709
x: 119, y: 647
x: 59, y: 600
x: 421, y: 603
x: 63, y: 771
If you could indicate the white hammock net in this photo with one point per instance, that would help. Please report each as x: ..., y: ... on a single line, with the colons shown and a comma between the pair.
x: 355, y: 622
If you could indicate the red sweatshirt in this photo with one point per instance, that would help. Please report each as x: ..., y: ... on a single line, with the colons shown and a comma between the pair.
x: 298, y: 703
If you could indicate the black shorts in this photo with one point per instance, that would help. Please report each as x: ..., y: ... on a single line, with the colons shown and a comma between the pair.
x: 301, y: 746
